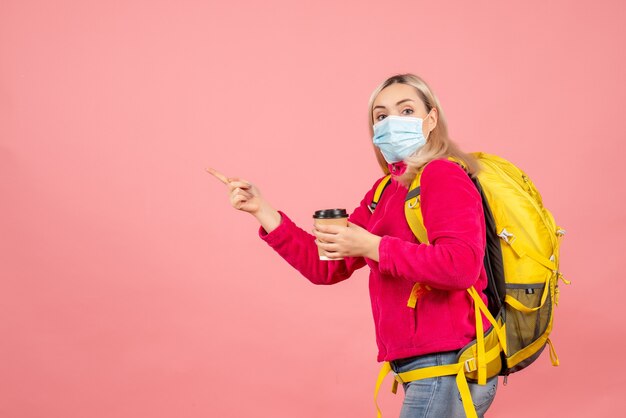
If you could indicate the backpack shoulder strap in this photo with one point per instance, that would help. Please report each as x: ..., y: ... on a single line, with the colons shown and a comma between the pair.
x: 379, y: 191
x: 413, y: 210
x: 412, y: 207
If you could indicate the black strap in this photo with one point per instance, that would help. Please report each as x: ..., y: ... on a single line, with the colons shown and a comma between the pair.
x: 494, y: 267
x: 375, y: 202
x: 412, y: 193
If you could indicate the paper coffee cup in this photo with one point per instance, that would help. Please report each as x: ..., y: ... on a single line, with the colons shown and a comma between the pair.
x: 330, y: 217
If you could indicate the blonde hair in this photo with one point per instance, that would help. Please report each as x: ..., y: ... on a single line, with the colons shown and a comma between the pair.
x: 439, y: 144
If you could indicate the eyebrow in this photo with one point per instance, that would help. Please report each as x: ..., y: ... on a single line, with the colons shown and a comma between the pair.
x: 397, y: 104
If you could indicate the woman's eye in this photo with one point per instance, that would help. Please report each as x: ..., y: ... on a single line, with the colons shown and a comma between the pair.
x: 409, y: 110
x: 380, y: 117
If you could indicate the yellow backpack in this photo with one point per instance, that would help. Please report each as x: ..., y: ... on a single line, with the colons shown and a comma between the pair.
x: 522, y: 264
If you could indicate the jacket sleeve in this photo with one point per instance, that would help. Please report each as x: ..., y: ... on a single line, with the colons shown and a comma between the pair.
x: 298, y: 248
x: 455, y: 226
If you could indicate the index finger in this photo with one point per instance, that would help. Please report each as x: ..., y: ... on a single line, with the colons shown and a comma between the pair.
x: 218, y: 175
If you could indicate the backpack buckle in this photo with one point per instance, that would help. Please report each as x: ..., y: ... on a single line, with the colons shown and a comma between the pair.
x: 507, y: 236
x: 397, y: 377
x: 470, y: 365
x: 413, y: 205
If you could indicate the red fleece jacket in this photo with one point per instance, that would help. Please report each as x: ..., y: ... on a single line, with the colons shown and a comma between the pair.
x: 443, y: 319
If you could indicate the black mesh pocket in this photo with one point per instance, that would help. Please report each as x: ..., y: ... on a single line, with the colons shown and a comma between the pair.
x: 523, y: 328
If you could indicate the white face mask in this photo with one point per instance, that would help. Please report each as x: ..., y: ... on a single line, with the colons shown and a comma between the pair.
x: 399, y: 137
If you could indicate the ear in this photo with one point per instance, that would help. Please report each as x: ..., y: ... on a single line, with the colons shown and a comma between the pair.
x: 431, y: 121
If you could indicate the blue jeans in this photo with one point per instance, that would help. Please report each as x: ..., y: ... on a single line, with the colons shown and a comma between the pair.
x: 439, y: 397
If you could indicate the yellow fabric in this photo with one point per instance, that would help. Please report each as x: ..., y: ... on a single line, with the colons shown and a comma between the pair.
x: 553, y: 357
x: 394, y: 387
x: 460, y: 369
x: 417, y: 290
x: 381, y: 187
x: 556, y: 290
x: 466, y: 396
x: 413, y: 213
x: 560, y: 276
x: 521, y: 251
x: 428, y: 372
x: 499, y: 329
x: 518, y: 210
x: 413, y: 298
x: 381, y: 376
x: 492, y: 359
x: 480, y: 347
x: 457, y: 369
x: 514, y: 358
x: 523, y: 308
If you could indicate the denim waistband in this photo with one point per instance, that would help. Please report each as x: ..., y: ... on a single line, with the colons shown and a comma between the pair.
x: 404, y: 364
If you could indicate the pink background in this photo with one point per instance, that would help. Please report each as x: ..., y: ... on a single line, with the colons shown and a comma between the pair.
x: 130, y: 288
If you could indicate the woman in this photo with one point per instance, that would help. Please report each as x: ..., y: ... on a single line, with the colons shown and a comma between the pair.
x: 409, y: 134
